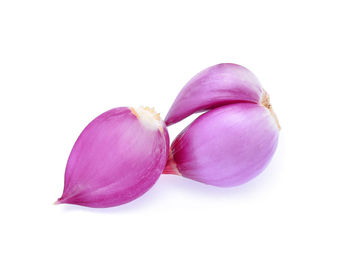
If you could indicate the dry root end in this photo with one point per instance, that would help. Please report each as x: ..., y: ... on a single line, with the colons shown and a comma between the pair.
x: 148, y: 117
x: 265, y: 101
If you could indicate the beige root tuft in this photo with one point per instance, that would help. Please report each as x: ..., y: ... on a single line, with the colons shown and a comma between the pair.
x: 265, y: 101
x: 148, y: 117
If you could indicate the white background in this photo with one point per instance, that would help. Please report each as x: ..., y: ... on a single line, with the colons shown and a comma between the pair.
x: 62, y: 63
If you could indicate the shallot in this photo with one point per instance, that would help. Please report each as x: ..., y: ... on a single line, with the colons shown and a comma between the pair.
x: 116, y: 159
x: 226, y: 146
x: 215, y: 86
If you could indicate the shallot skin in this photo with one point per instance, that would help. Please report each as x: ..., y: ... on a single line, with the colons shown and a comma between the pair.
x: 215, y: 86
x: 115, y: 160
x: 226, y: 146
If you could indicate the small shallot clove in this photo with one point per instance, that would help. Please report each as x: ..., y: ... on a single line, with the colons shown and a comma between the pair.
x: 215, y: 86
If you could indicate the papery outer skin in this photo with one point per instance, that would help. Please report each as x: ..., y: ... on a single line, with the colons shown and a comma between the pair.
x: 226, y: 146
x: 213, y: 87
x: 115, y: 160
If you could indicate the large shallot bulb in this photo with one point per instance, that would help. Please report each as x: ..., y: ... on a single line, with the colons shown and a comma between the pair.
x: 226, y: 146
x: 116, y: 159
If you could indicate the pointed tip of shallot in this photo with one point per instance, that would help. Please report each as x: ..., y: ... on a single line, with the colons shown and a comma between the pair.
x: 171, y: 167
x: 59, y: 201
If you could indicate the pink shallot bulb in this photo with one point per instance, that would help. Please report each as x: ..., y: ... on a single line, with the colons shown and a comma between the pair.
x: 116, y: 159
x: 226, y: 146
